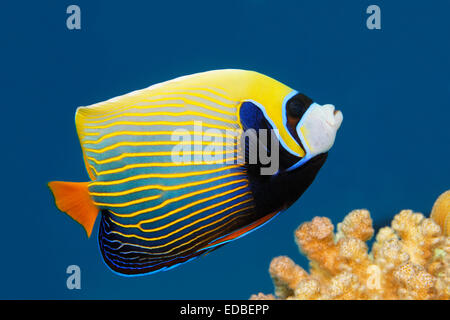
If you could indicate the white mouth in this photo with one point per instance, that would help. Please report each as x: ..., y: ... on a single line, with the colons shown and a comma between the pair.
x: 338, y: 118
x: 317, y: 128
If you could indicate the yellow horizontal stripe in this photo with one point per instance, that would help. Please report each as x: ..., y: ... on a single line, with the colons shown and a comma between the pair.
x: 157, y: 153
x: 157, y: 143
x: 163, y: 204
x: 158, y: 133
x: 171, y: 114
x: 161, y: 164
x: 158, y: 123
x: 120, y: 108
x: 165, y: 188
x: 127, y: 203
x: 162, y: 175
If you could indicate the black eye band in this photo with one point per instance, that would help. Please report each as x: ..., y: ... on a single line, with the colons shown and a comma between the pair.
x: 295, y: 109
x: 297, y: 105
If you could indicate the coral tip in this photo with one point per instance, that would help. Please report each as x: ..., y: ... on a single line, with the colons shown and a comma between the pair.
x: 441, y: 212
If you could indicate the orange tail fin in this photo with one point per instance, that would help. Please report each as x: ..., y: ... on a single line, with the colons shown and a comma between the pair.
x: 73, y: 198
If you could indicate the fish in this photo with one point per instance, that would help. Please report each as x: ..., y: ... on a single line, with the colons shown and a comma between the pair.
x: 183, y: 167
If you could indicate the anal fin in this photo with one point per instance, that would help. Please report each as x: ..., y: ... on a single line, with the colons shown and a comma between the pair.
x: 243, y: 231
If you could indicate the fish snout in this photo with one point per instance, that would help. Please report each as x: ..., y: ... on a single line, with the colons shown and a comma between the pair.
x: 333, y: 117
x: 338, y: 118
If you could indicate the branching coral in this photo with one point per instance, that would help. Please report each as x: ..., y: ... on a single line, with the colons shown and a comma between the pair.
x: 409, y: 260
x: 441, y: 212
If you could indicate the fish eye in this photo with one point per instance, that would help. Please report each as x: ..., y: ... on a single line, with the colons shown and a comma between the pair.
x: 295, y: 108
x: 297, y: 105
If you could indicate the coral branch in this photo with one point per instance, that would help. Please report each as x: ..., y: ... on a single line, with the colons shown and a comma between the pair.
x: 409, y: 260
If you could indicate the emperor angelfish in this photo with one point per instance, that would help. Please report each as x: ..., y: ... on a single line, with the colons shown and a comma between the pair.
x: 158, y: 211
